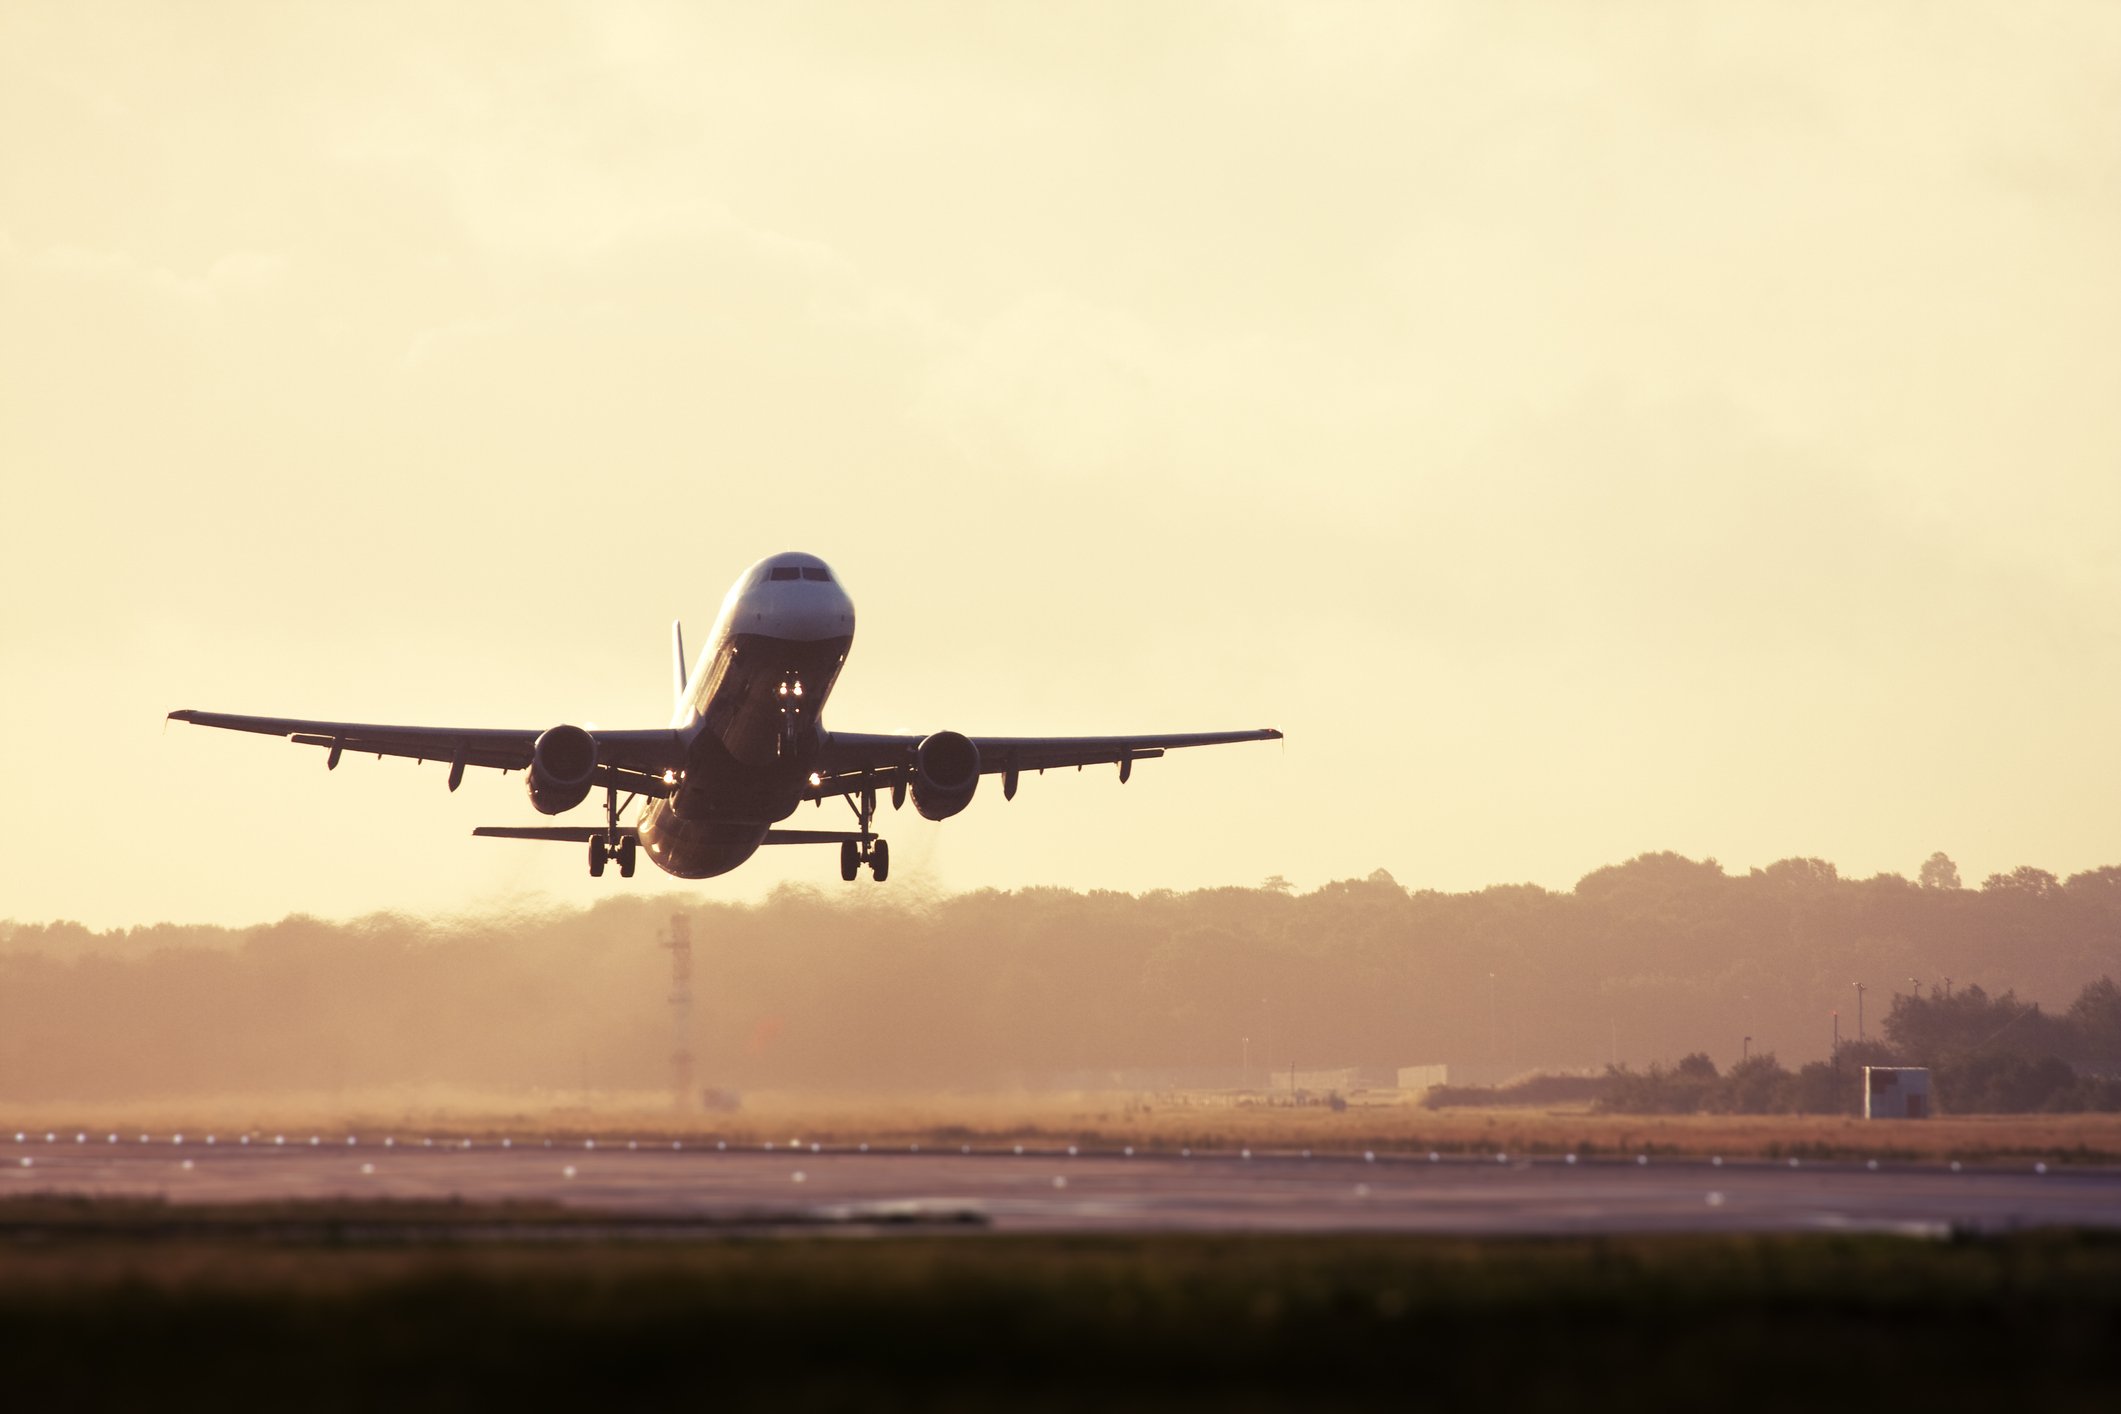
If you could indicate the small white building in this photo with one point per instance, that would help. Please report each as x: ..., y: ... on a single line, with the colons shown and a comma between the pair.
x: 1423, y: 1077
x: 1896, y: 1092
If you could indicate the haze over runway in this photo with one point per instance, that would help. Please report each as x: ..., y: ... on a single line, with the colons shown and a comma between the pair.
x: 1052, y: 1189
x: 1582, y: 430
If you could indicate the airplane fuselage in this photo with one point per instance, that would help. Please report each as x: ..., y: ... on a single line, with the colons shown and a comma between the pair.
x: 749, y: 718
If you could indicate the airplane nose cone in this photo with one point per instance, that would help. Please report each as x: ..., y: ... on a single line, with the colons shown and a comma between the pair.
x: 802, y: 613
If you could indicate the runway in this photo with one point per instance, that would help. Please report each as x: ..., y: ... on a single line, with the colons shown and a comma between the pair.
x: 1061, y: 1190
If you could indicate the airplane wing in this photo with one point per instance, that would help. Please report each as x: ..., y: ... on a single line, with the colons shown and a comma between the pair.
x: 634, y: 761
x: 851, y: 760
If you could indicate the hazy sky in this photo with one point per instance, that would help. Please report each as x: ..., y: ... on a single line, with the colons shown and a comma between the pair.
x: 1583, y: 429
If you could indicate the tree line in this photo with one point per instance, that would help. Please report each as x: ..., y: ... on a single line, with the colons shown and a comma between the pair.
x: 1659, y: 957
x: 1986, y: 1055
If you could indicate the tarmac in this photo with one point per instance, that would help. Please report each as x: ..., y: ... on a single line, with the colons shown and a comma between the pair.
x: 704, y: 1185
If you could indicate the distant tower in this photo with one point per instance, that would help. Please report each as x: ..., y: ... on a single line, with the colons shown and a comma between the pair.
x: 680, y: 944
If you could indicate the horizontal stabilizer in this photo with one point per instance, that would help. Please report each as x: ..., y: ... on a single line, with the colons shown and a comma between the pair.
x: 566, y: 834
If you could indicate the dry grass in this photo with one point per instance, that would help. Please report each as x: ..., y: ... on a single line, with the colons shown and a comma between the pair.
x: 1063, y: 1324
x: 1112, y: 1120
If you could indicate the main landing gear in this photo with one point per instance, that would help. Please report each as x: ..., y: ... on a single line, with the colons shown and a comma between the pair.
x: 614, y: 843
x: 868, y: 849
x: 602, y: 849
x: 876, y: 854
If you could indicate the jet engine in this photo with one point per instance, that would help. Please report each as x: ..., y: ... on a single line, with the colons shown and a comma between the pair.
x: 945, y: 773
x: 561, y: 766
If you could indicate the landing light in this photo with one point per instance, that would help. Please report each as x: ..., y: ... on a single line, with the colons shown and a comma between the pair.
x: 816, y: 779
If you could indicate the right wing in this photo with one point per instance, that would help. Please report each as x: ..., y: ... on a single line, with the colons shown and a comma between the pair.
x: 861, y: 758
x: 633, y: 761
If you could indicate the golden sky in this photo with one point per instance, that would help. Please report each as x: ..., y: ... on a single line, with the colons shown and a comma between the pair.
x: 1583, y: 429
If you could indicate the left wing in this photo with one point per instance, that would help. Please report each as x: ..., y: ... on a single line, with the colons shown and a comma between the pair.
x: 631, y: 760
x: 852, y: 760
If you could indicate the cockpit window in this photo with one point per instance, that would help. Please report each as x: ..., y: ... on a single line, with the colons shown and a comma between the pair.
x: 818, y: 573
x: 785, y: 572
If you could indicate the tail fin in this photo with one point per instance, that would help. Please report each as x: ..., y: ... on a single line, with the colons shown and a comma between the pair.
x: 677, y: 648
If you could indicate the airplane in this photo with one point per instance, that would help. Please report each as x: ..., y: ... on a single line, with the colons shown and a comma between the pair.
x: 745, y: 746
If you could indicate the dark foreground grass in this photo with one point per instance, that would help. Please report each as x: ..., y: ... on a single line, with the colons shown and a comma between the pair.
x: 89, y: 1319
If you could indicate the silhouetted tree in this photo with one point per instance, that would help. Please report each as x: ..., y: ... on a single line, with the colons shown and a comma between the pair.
x: 2025, y: 879
x: 1755, y: 1085
x: 1938, y: 872
x: 2095, y: 1024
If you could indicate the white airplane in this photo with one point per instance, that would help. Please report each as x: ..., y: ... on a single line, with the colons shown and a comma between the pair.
x: 744, y: 749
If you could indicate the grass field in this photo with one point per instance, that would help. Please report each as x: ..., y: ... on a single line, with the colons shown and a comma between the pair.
x: 1120, y: 1119
x: 92, y: 1317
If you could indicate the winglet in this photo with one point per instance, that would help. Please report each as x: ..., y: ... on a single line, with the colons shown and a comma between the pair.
x: 677, y: 648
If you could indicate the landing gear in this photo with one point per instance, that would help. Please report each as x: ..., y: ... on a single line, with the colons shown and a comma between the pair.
x: 876, y: 854
x: 868, y: 849
x: 614, y: 843
x: 602, y: 851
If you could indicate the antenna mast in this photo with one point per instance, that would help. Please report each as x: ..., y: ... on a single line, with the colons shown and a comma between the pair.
x: 679, y: 941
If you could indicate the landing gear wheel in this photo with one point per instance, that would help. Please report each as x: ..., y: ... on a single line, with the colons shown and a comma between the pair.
x: 626, y: 853
x: 880, y: 861
x: 850, y: 860
x: 597, y: 856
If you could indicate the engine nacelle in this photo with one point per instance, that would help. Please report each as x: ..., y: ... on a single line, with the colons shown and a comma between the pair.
x: 945, y: 773
x: 561, y: 767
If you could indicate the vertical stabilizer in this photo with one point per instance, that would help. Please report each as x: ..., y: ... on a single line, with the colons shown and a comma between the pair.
x: 677, y: 649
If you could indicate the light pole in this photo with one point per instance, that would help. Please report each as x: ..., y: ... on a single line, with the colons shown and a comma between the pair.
x: 1859, y: 1011
x: 1916, y: 983
x: 1245, y: 1070
x: 1491, y: 1016
x: 1747, y: 1053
